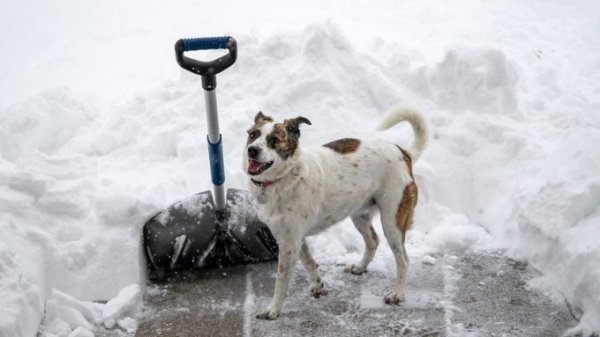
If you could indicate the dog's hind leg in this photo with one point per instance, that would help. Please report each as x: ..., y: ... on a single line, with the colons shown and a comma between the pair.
x: 316, y: 288
x: 396, y: 219
x: 362, y: 222
x: 396, y: 241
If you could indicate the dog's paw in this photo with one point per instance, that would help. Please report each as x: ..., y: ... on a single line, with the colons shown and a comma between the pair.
x: 317, y: 290
x: 268, y: 313
x: 394, y: 298
x: 356, y: 270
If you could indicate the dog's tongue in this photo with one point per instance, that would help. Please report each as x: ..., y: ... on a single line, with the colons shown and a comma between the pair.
x: 254, y: 166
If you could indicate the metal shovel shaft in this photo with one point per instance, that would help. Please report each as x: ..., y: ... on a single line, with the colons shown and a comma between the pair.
x: 215, y: 149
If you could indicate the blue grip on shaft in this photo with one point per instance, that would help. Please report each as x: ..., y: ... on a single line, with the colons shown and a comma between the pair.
x: 206, y: 43
x: 215, y: 155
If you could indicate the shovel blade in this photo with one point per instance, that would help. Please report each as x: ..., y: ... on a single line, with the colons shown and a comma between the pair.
x: 249, y: 239
x: 183, y: 235
x: 190, y: 234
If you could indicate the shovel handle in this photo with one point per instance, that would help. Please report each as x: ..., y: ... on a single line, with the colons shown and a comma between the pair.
x: 206, y: 69
x: 205, y: 43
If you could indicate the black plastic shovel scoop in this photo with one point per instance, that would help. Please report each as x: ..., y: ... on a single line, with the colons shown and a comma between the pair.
x: 206, y: 229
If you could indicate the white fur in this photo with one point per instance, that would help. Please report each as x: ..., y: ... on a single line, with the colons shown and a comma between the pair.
x: 318, y: 187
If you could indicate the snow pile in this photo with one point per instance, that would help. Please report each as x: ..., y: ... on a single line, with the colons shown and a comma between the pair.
x: 125, y: 302
x: 560, y: 215
x: 22, y: 302
x: 90, y: 153
x: 69, y: 317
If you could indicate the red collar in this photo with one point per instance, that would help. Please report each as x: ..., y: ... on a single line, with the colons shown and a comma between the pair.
x: 263, y: 184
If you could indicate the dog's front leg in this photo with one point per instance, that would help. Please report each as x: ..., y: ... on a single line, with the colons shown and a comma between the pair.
x: 288, y: 256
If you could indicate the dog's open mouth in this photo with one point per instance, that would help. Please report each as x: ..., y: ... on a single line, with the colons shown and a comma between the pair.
x: 256, y: 167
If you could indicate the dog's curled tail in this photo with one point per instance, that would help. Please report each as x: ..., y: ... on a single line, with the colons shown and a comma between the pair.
x: 418, y: 123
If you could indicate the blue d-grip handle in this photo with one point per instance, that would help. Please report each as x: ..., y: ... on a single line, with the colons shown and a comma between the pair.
x: 209, y: 69
x: 205, y: 43
x: 215, y: 156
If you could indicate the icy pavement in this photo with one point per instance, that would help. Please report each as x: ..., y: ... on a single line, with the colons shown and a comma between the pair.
x: 471, y: 295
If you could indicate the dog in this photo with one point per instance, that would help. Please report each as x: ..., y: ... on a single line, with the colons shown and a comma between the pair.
x: 303, y: 191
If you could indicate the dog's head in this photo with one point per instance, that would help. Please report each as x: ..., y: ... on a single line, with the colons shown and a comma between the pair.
x: 271, y: 147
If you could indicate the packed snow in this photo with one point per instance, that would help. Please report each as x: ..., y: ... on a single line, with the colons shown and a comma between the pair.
x: 100, y: 129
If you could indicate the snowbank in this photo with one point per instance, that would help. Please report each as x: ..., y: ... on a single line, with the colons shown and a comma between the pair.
x: 66, y: 316
x: 88, y: 153
x: 22, y: 300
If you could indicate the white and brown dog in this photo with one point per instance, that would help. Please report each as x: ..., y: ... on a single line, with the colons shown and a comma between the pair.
x: 303, y: 191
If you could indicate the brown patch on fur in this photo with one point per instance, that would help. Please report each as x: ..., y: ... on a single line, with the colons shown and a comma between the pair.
x: 285, y: 136
x: 404, y: 215
x: 280, y: 140
x: 344, y: 145
x: 407, y: 160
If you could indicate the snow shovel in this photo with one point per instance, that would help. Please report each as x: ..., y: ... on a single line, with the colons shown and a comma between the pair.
x: 207, y: 230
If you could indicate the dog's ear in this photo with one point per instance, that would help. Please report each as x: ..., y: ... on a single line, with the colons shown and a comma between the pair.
x: 293, y: 125
x: 261, y: 118
x: 299, y: 120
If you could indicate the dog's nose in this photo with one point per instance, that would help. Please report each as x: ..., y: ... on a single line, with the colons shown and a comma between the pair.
x: 253, y: 151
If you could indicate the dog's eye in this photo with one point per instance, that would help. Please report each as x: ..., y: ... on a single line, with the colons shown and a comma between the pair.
x: 253, y: 134
x: 273, y: 142
x: 293, y: 130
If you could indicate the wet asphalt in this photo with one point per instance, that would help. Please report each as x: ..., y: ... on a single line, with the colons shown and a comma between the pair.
x: 471, y: 295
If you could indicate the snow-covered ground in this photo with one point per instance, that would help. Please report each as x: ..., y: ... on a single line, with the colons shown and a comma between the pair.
x: 99, y: 129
